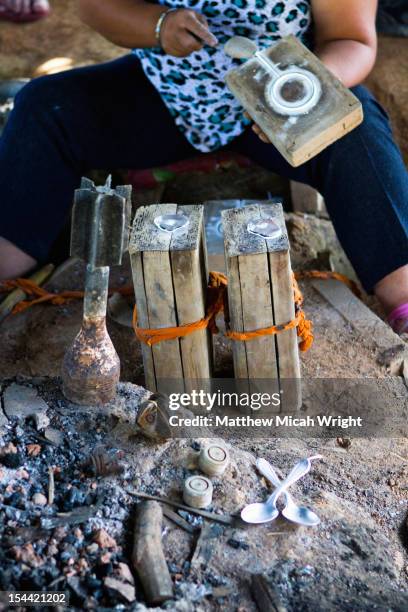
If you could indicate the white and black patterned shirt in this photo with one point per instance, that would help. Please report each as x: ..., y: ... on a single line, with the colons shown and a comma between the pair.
x: 193, y: 87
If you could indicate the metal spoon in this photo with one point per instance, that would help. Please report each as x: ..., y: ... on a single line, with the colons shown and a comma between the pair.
x: 264, y: 512
x: 240, y: 47
x: 292, y: 511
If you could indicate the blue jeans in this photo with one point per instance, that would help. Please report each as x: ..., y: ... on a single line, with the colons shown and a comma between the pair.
x: 110, y: 116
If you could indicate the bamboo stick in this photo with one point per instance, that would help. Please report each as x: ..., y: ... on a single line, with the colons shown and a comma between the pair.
x: 17, y: 295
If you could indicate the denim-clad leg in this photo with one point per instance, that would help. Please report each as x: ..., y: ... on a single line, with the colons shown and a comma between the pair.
x: 365, y: 185
x: 105, y: 116
x: 110, y: 116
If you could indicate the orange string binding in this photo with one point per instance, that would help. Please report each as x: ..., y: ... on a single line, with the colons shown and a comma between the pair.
x: 216, y: 303
x: 304, y: 326
x: 41, y: 295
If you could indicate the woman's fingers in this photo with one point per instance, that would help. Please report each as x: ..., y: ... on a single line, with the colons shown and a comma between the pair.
x: 185, y: 31
x: 261, y: 135
x: 187, y: 43
x: 197, y: 24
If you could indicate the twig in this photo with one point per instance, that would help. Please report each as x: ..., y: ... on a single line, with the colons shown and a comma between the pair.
x: 51, y: 486
x: 18, y: 295
x: 178, y: 520
x: 226, y: 519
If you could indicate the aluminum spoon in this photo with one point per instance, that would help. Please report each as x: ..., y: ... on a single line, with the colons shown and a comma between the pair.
x: 264, y: 512
x: 292, y: 511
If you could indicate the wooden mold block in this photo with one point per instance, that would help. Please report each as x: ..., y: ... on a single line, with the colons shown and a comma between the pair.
x: 170, y: 280
x: 298, y: 134
x: 260, y: 294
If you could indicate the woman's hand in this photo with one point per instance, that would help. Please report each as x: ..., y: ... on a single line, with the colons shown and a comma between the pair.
x: 255, y: 127
x: 185, y: 31
x: 132, y: 24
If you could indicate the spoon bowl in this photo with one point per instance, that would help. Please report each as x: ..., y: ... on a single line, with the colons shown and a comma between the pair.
x: 259, y: 513
x: 240, y: 47
x: 300, y: 514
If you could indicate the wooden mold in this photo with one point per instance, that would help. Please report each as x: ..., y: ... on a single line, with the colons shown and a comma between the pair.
x: 170, y: 280
x: 297, y: 136
x: 260, y: 294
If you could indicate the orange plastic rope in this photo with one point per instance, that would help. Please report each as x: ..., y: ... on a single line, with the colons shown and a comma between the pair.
x: 352, y: 285
x: 216, y: 303
x: 41, y: 295
x: 304, y: 326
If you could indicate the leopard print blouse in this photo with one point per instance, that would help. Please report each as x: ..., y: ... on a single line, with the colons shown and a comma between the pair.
x: 193, y: 87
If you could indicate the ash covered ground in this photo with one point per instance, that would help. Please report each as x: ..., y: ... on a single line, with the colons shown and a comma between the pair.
x: 81, y: 543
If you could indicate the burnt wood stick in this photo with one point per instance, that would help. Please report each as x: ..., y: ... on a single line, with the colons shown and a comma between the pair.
x: 265, y: 594
x: 148, y: 557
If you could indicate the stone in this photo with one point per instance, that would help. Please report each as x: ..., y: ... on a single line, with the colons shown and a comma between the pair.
x: 39, y: 499
x: 21, y: 401
x: 104, y: 539
x: 33, y: 450
x: 54, y: 435
x: 41, y: 420
x: 126, y: 590
x: 26, y: 554
x: 315, y: 246
x: 124, y: 573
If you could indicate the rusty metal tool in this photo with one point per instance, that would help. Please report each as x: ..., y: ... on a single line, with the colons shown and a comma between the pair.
x: 99, y: 236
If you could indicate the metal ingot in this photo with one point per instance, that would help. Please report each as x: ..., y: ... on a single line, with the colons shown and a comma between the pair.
x: 213, y: 460
x: 171, y: 222
x: 198, y: 492
x: 99, y: 236
x: 264, y: 227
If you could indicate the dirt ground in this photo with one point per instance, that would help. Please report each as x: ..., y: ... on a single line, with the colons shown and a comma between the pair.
x: 356, y: 559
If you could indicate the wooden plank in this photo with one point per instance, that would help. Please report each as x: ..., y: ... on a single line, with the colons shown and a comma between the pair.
x: 149, y: 251
x: 189, y: 287
x: 298, y: 137
x: 391, y: 350
x: 170, y: 272
x: 161, y: 308
x: 258, y: 272
x: 249, y: 293
x: 307, y: 199
x: 147, y: 555
x: 143, y: 318
x: 236, y: 318
x: 145, y: 235
x: 257, y: 312
x: 287, y: 343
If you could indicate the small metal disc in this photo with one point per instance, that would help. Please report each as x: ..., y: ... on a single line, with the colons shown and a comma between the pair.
x: 198, y: 491
x: 213, y: 460
x: 171, y: 222
x: 266, y: 228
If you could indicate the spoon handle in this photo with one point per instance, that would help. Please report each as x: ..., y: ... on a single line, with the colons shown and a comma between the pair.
x: 268, y: 472
x: 300, y: 469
